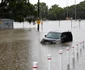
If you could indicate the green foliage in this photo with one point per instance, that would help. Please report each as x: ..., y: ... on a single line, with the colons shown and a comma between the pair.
x: 43, y: 10
x: 18, y: 10
x: 56, y: 13
x: 80, y: 10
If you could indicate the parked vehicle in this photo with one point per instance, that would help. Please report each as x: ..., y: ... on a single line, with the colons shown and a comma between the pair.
x: 54, y: 37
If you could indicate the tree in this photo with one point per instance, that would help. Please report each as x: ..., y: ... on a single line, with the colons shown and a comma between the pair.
x: 43, y: 10
x: 80, y: 9
x: 17, y: 10
x: 56, y: 13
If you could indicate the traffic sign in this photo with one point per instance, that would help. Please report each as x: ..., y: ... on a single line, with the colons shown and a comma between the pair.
x: 38, y: 21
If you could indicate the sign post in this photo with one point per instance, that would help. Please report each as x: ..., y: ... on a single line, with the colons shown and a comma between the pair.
x: 38, y: 23
x: 38, y: 15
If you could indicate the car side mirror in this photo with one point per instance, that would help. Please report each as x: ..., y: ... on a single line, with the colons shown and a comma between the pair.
x: 45, y: 35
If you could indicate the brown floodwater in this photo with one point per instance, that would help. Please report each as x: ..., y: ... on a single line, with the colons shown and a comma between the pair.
x: 19, y: 48
x: 13, y: 49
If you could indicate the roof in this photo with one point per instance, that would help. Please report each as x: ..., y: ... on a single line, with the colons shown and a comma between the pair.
x: 60, y: 31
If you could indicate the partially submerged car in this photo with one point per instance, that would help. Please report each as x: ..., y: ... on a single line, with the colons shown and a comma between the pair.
x: 54, y: 37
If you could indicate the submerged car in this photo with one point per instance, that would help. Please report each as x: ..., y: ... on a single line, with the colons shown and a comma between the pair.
x: 54, y: 37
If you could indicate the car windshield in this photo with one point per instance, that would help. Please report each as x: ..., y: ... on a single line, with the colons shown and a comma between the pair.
x: 54, y: 35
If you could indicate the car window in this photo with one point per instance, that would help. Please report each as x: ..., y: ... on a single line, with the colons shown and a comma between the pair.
x: 53, y: 35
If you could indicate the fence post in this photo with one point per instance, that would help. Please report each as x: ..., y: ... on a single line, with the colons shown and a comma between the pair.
x: 49, y: 61
x: 68, y: 59
x: 61, y: 60
x: 35, y: 65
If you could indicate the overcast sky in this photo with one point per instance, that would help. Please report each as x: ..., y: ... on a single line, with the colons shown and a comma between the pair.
x: 61, y: 3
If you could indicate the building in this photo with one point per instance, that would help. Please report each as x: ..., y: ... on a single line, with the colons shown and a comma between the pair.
x: 6, y: 23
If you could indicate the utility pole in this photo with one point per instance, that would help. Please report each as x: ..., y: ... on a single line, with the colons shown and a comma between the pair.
x: 38, y: 15
x: 75, y: 10
x: 67, y: 10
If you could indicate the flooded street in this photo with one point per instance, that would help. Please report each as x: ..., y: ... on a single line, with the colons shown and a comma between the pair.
x: 20, y: 47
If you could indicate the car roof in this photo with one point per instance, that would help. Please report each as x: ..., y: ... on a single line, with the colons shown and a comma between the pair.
x: 60, y: 31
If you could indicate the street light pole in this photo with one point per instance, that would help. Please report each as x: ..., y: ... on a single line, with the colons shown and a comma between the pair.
x: 75, y: 10
x: 67, y: 7
x: 38, y: 14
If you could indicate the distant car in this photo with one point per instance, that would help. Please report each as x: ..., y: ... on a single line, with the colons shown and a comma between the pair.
x: 54, y: 37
